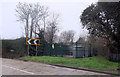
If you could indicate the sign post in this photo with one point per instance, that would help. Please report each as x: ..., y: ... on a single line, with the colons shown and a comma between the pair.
x: 32, y: 41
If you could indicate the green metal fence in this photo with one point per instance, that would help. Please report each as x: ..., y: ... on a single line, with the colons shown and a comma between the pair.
x: 74, y: 50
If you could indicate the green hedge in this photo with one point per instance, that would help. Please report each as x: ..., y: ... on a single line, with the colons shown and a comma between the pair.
x: 18, y: 45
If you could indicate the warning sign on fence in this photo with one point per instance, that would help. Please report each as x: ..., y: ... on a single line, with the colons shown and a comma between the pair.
x: 53, y: 46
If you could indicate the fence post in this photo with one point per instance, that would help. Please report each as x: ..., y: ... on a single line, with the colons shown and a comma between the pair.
x: 55, y: 49
x: 90, y: 51
x: 61, y: 49
x: 76, y: 50
x: 84, y: 52
x: 28, y: 50
x: 36, y: 50
x: 50, y: 49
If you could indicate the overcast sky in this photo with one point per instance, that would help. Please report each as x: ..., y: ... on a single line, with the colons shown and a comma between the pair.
x: 69, y: 16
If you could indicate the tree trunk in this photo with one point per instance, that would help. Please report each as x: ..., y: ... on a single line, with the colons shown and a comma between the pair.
x: 31, y: 30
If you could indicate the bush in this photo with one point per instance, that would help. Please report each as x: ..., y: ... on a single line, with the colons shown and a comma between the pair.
x: 13, y: 47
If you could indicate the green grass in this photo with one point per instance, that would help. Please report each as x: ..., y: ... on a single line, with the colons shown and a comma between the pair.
x: 97, y: 63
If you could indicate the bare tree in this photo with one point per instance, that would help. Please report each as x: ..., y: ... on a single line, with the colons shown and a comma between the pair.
x: 36, y: 17
x: 31, y: 15
x: 23, y: 14
x: 52, y: 28
x: 67, y: 36
x: 81, y: 40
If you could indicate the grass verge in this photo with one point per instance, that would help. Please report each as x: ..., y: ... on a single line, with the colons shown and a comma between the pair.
x: 96, y: 63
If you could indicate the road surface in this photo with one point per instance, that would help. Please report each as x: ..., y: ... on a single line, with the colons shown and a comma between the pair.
x: 17, y: 67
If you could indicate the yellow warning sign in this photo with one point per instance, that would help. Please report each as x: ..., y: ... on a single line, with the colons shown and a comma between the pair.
x: 53, y: 46
x: 32, y: 41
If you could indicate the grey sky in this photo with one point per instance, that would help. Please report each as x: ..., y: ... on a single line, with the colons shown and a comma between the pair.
x: 69, y: 17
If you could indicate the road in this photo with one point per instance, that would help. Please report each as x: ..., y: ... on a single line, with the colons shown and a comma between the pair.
x: 17, y: 67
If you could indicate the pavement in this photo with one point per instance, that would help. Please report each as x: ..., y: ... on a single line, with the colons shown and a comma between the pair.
x: 18, y: 67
